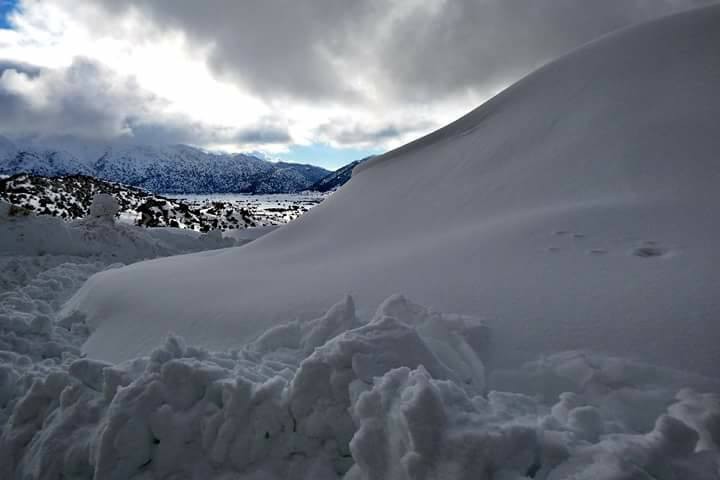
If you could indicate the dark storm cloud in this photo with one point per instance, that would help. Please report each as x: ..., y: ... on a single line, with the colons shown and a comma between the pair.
x: 90, y: 102
x: 27, y: 69
x: 358, y: 134
x: 281, y: 45
x: 178, y: 130
x: 82, y: 100
x: 313, y: 49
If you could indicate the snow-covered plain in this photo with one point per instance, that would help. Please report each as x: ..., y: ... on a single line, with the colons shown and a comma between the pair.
x: 570, y: 223
x: 265, y: 210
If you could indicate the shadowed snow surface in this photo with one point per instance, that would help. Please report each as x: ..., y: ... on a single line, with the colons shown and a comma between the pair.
x: 578, y: 209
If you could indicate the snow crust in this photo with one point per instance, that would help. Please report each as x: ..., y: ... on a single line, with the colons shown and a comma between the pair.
x: 575, y: 210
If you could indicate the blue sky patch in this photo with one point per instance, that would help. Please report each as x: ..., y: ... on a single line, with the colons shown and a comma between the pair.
x: 325, y: 156
x: 6, y: 8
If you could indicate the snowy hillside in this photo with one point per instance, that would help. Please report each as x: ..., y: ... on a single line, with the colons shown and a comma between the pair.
x: 575, y: 210
x: 338, y: 178
x: 69, y: 197
x: 171, y: 169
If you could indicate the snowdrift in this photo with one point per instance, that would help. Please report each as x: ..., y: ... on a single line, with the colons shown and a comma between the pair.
x: 576, y: 210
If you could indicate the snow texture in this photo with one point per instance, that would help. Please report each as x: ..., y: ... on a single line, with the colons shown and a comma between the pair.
x: 406, y: 393
x: 104, y: 207
x: 575, y: 210
x: 402, y: 396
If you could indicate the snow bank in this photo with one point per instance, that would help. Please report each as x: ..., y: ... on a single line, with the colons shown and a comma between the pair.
x: 45, y: 410
x: 98, y: 235
x: 403, y: 396
x: 577, y: 209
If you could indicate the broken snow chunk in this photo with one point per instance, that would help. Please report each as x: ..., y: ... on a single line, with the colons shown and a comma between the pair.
x: 89, y: 372
x: 104, y: 207
x: 41, y: 325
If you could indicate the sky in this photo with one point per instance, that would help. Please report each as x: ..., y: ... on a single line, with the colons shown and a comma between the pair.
x: 6, y: 6
x: 312, y: 81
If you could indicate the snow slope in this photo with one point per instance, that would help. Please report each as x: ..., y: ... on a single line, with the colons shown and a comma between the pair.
x: 576, y: 210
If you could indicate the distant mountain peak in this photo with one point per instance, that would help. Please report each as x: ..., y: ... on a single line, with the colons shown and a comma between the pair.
x: 161, y: 169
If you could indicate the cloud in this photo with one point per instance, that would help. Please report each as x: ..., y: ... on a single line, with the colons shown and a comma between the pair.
x: 88, y: 101
x: 82, y: 100
x: 399, y: 50
x: 21, y: 67
x: 274, y: 73
x: 180, y: 130
x: 358, y: 135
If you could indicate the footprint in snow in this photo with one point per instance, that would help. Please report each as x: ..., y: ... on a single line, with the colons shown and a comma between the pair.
x: 649, y: 251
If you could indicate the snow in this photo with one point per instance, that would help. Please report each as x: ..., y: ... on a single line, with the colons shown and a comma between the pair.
x: 572, y: 233
x: 70, y: 197
x: 262, y: 210
x: 575, y: 210
x: 166, y: 168
x: 399, y: 397
x: 105, y: 207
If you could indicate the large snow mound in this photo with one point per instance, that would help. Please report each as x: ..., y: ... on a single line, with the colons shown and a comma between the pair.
x: 577, y: 209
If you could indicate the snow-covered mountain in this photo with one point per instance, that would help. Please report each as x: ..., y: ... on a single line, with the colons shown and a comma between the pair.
x: 167, y: 169
x: 575, y: 210
x: 338, y: 178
